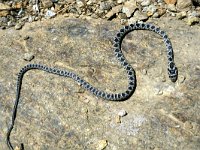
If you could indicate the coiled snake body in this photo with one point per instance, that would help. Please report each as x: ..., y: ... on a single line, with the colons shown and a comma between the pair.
x: 172, y: 70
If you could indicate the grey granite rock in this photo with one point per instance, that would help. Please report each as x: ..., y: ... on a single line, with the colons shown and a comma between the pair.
x: 50, y: 113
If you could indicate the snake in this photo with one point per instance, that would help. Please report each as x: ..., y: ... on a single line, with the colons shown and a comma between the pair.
x: 171, y: 68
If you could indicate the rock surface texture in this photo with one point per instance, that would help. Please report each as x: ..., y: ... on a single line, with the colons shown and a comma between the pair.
x: 56, y: 113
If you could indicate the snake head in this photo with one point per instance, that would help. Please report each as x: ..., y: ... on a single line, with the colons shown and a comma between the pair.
x: 173, y: 72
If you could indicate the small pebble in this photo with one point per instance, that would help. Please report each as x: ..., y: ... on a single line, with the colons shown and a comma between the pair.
x: 181, y: 15
x: 101, y: 144
x: 146, y: 3
x: 10, y: 23
x: 144, y: 71
x: 50, y: 14
x: 79, y: 3
x: 140, y: 16
x: 188, y: 125
x: 31, y: 18
x: 17, y: 148
x: 81, y: 90
x: 123, y: 21
x: 171, y: 7
x: 114, y: 11
x: 28, y: 56
x: 18, y: 26
x: 26, y: 37
x: 161, y: 11
x: 158, y: 91
x: 122, y: 16
x: 152, y: 8
x: 129, y: 8
x: 118, y: 119
x: 193, y: 20
x: 84, y: 110
x: 105, y: 6
x: 173, y: 14
x: 122, y: 113
x: 47, y: 3
x: 156, y: 15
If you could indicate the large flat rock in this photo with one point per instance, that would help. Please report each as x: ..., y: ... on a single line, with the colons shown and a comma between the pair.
x: 56, y: 113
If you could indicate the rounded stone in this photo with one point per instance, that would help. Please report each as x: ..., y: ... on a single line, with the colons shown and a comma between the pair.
x: 158, y: 91
x: 122, y: 113
x: 118, y: 119
x: 28, y: 56
x: 188, y: 125
x: 101, y: 144
x: 193, y: 20
x: 146, y: 3
x: 152, y: 8
x: 171, y: 7
x: 18, y: 26
x: 144, y: 72
x: 156, y: 15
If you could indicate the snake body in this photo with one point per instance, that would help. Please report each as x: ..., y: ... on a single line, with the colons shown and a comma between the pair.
x: 172, y: 70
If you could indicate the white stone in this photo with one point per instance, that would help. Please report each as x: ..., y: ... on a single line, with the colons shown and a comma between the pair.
x: 50, y: 14
x: 146, y: 3
x: 122, y: 113
x: 129, y: 8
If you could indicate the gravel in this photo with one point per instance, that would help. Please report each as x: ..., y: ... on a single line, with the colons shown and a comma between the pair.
x: 12, y: 12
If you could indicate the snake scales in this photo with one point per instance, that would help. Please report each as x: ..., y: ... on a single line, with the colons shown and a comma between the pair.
x: 172, y: 71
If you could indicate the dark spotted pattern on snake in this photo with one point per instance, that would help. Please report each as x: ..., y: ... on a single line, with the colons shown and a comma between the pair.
x: 172, y: 70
